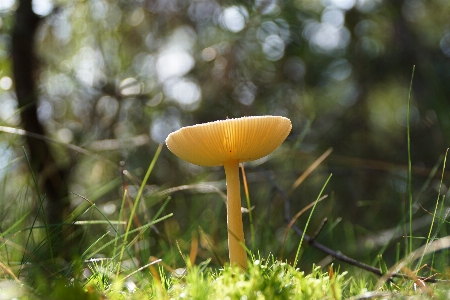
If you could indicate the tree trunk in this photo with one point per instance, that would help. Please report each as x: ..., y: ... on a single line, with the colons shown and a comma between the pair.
x: 50, y: 176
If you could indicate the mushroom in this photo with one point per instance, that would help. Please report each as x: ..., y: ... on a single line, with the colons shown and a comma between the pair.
x: 228, y: 143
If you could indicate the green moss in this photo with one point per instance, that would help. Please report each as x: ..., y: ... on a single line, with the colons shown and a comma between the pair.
x: 267, y: 279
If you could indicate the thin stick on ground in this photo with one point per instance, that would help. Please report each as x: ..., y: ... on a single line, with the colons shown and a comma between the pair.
x: 335, y: 254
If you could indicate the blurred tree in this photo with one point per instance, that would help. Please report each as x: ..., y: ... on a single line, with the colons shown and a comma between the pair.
x: 50, y: 174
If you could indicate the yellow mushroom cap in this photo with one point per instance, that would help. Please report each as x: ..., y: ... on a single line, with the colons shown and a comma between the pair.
x: 242, y: 139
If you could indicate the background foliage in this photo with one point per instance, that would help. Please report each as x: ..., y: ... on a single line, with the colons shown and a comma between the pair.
x: 116, y: 77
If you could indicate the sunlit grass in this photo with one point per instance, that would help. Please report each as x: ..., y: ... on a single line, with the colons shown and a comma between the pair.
x: 97, y: 275
x: 113, y: 261
x: 264, y: 279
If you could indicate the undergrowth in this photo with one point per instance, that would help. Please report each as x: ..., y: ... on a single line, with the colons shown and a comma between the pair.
x: 114, y: 262
x: 109, y: 268
x: 263, y: 280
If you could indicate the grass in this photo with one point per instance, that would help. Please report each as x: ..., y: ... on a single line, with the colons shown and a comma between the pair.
x: 264, y: 279
x: 135, y: 254
x: 109, y: 268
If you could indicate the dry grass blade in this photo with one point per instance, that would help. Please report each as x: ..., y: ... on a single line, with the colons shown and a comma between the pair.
x: 207, y: 243
x: 297, y: 215
x: 418, y: 283
x: 201, y: 187
x: 115, y: 144
x: 8, y: 270
x: 310, y: 169
x: 373, y: 295
x: 434, y: 246
x: 154, y: 259
x: 48, y: 139
x: 194, y: 248
x: 142, y: 268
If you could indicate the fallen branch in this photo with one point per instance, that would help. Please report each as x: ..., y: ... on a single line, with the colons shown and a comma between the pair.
x: 335, y: 254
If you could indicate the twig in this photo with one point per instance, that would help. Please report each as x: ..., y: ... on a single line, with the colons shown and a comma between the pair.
x: 335, y: 254
x: 319, y: 230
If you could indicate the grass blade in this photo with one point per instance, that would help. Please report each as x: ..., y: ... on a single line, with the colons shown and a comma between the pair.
x: 309, y: 219
x: 408, y: 133
x: 41, y: 208
x: 249, y: 207
x: 136, y: 203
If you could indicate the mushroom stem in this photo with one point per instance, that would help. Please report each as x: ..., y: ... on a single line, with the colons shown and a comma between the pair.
x: 238, y: 255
